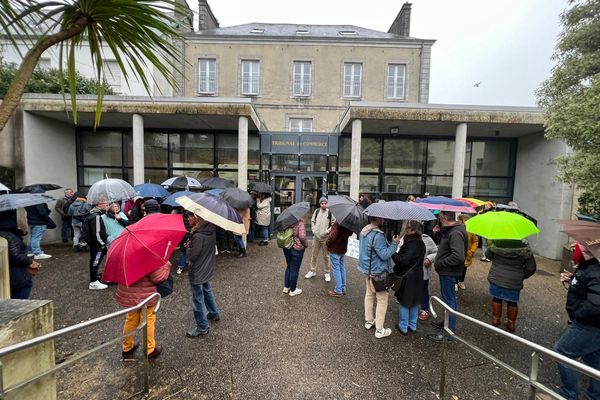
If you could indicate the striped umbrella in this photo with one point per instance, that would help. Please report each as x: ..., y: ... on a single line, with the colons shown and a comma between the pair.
x: 445, y: 204
x: 214, y: 210
x: 182, y: 182
x: 399, y: 210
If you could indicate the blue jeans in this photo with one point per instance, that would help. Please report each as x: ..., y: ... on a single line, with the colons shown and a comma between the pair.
x: 203, y: 301
x: 293, y: 259
x: 408, y: 318
x: 64, y: 229
x: 239, y: 242
x: 449, y: 297
x: 181, y: 260
x: 579, y: 341
x: 252, y: 231
x: 36, y: 232
x: 262, y: 232
x: 339, y: 272
x: 425, y: 300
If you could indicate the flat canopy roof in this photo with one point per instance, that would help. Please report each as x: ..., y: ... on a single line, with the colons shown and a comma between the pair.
x: 441, y: 119
x: 216, y: 113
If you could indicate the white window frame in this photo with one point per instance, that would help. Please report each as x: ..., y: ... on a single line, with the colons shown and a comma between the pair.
x: 352, y: 81
x: 205, y: 76
x: 250, y: 80
x: 304, y: 87
x: 300, y: 124
x: 396, y: 81
x: 112, y: 74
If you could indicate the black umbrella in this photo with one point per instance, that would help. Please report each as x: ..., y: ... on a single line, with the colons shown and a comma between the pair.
x: 38, y: 188
x: 291, y: 215
x: 216, y: 183
x: 348, y: 213
x: 237, y: 198
x: 261, y: 187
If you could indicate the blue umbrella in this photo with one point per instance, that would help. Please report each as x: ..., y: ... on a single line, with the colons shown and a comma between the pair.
x: 214, y: 192
x: 399, y: 210
x: 170, y: 201
x: 151, y: 190
x: 445, y: 204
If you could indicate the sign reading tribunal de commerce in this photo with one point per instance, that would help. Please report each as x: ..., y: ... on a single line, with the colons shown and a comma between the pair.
x: 295, y: 143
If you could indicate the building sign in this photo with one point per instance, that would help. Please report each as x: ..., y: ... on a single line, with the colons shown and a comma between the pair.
x: 298, y: 143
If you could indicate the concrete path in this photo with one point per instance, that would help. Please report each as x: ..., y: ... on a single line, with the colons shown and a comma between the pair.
x: 272, y: 346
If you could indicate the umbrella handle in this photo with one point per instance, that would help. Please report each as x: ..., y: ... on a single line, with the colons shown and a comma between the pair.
x: 167, y: 250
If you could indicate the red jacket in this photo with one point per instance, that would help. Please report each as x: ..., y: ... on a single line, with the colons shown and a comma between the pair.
x: 140, y: 290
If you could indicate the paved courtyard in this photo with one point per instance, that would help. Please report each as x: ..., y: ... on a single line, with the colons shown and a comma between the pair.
x: 271, y: 346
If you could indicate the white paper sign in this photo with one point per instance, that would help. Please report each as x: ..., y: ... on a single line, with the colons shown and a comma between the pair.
x: 352, y: 248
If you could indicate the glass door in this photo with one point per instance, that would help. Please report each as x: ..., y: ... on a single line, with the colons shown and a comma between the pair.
x: 312, y: 189
x: 284, y: 193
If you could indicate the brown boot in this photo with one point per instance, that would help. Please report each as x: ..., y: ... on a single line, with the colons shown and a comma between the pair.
x: 511, y: 317
x: 496, y: 313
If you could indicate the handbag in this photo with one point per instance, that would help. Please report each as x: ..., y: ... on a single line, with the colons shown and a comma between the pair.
x: 165, y: 288
x: 383, y: 281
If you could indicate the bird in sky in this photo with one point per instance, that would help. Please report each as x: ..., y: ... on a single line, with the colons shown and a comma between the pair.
x: 477, y: 84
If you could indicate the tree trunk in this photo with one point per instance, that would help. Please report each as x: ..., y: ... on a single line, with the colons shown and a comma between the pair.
x: 15, y: 91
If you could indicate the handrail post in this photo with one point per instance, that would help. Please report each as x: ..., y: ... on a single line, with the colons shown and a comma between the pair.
x: 1, y: 380
x: 444, y: 357
x: 145, y: 344
x: 533, y: 374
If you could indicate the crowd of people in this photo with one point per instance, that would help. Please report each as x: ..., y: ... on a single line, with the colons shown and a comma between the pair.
x: 418, y: 249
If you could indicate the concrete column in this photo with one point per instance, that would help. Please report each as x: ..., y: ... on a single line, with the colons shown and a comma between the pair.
x: 355, y: 159
x: 460, y: 146
x: 243, y: 153
x: 138, y: 149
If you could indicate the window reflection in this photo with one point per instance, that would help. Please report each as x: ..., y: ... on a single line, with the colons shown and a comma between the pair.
x: 192, y: 150
x: 403, y: 156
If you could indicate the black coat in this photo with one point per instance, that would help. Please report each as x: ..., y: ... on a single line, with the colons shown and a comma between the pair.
x: 409, y: 263
x: 583, y: 299
x: 38, y: 214
x: 17, y: 261
x: 452, y: 251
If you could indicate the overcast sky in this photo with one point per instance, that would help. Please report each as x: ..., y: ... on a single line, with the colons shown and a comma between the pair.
x: 504, y: 44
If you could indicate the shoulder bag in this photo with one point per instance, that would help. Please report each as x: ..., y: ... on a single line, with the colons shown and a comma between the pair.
x: 383, y: 281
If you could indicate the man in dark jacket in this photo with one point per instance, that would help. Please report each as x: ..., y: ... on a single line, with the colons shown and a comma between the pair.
x: 449, y: 263
x: 94, y: 234
x: 38, y: 219
x: 202, y: 261
x: 62, y: 208
x: 582, y: 338
x: 22, y: 267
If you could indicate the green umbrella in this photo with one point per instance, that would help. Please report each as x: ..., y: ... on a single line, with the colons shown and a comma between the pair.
x: 501, y: 225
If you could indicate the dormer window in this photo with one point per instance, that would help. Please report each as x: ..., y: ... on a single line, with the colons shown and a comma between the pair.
x: 257, y: 30
x: 348, y: 33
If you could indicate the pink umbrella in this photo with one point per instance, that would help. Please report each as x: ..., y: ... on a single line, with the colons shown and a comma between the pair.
x: 445, y: 204
x: 143, y: 247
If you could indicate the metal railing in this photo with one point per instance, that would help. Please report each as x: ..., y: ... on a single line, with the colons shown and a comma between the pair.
x: 4, y: 271
x: 538, y: 351
x: 74, y: 328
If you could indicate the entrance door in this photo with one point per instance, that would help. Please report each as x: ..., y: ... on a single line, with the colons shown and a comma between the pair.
x: 290, y: 189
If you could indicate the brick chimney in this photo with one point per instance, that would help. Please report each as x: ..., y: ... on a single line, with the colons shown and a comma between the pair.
x: 401, y: 25
x: 206, y: 19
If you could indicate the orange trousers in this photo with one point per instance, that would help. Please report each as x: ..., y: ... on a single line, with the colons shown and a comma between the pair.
x: 132, y: 320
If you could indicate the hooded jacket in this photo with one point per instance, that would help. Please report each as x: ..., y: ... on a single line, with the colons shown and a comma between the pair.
x: 583, y: 299
x: 512, y: 263
x: 373, y: 247
x: 263, y: 212
x: 450, y: 258
x: 201, y: 253
x: 140, y: 290
x: 17, y: 261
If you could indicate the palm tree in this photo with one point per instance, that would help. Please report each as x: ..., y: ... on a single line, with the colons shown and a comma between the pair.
x: 140, y: 33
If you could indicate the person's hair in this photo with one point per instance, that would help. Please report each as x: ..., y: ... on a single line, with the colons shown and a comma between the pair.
x: 373, y: 219
x: 513, y: 204
x: 68, y: 189
x: 410, y: 198
x: 450, y: 215
x: 101, y: 200
x: 464, y: 217
x: 416, y: 226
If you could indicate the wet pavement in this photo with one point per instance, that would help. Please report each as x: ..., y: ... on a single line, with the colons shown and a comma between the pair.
x: 270, y: 346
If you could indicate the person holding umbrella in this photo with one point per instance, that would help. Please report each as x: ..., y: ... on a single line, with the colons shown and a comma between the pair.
x: 263, y: 218
x: 94, y: 234
x: 21, y: 267
x: 337, y: 246
x: 38, y: 219
x: 293, y: 258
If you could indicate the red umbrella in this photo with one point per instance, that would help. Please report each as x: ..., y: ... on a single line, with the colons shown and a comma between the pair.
x: 143, y: 247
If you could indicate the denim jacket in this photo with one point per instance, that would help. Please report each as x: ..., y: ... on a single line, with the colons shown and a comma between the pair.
x: 381, y: 254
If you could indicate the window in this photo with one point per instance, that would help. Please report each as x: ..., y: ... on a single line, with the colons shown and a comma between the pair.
x: 207, y: 76
x: 352, y: 79
x: 257, y: 30
x: 250, y: 77
x: 302, y: 78
x: 395, y: 81
x: 348, y: 33
x: 302, y: 32
x: 300, y: 124
x: 112, y: 74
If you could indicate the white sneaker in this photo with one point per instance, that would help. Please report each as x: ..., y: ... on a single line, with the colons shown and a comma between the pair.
x: 295, y: 292
x: 461, y: 285
x: 42, y: 256
x: 369, y: 324
x: 310, y: 274
x: 383, y: 332
x: 179, y: 271
x: 97, y: 285
x: 286, y: 290
x: 30, y: 254
x: 327, y: 277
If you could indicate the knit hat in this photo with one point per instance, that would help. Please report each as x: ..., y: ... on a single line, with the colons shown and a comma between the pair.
x: 323, y: 199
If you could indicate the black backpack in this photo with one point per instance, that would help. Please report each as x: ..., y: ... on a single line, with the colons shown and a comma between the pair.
x: 81, y: 212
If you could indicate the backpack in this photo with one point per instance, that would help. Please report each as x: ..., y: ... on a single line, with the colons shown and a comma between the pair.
x: 285, y: 238
x: 314, y: 217
x: 80, y: 211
